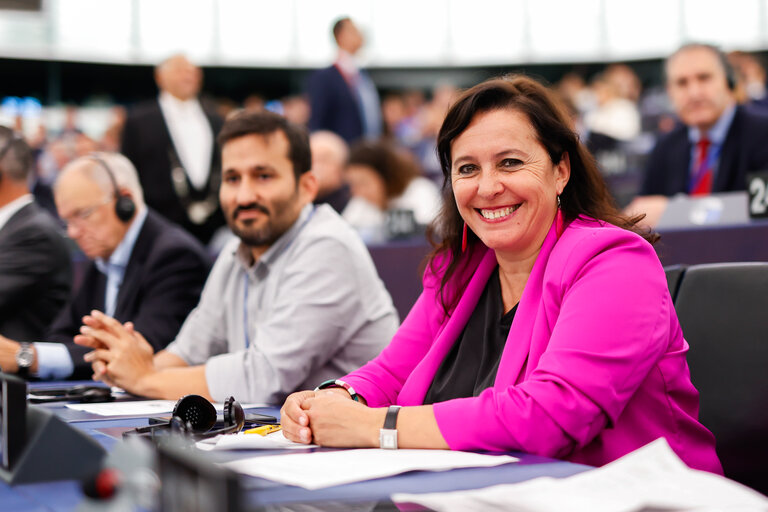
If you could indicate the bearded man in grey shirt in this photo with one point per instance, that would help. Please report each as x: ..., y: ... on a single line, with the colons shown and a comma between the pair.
x: 293, y: 301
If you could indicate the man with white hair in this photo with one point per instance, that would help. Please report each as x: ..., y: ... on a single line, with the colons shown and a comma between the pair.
x: 145, y: 270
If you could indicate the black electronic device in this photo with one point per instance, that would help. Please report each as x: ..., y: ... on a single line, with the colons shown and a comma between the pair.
x: 190, y: 482
x: 13, y: 418
x: 38, y: 446
x: 195, y: 416
x: 125, y: 207
x: 78, y: 393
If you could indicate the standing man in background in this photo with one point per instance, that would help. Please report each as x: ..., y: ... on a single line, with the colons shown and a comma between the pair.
x: 342, y: 97
x: 171, y: 142
x: 35, y: 269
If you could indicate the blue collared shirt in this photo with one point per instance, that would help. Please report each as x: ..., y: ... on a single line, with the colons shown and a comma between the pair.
x: 53, y: 359
x: 716, y: 136
x: 115, y: 267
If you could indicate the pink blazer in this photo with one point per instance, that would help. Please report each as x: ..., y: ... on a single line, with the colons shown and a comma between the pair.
x: 593, y: 368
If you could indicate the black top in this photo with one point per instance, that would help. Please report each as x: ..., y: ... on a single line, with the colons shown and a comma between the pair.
x: 472, y: 363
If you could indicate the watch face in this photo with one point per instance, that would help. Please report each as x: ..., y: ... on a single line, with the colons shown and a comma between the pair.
x: 25, y: 357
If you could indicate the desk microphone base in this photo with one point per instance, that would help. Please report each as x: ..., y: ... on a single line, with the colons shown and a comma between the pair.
x: 53, y: 450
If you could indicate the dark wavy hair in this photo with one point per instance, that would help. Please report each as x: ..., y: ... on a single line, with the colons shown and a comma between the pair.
x: 585, y: 194
x: 396, y: 168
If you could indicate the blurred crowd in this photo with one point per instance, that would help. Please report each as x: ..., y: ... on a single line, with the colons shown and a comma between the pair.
x: 390, y: 163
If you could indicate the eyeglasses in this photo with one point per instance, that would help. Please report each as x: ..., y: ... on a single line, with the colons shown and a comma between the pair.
x: 81, y: 216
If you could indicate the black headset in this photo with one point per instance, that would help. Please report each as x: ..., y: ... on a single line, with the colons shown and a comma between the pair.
x: 125, y: 208
x: 195, y: 416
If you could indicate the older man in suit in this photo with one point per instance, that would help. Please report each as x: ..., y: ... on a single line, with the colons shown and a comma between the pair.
x: 35, y: 274
x: 145, y: 270
x: 170, y: 141
x: 342, y: 97
x: 717, y: 142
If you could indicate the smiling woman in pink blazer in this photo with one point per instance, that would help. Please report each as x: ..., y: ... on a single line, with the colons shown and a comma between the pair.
x: 593, y: 365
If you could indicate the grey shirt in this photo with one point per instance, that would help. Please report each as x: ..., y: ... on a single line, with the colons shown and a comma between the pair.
x: 310, y: 309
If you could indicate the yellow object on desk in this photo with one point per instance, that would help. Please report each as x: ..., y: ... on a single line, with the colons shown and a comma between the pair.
x: 264, y: 429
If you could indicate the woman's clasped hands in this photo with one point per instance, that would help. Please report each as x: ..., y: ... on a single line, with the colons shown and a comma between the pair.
x: 329, y: 417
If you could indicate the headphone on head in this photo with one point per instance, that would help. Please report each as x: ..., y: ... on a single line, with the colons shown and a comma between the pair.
x: 730, y: 73
x: 125, y: 208
x: 195, y: 416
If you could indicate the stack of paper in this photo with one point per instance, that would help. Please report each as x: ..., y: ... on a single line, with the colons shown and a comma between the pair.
x: 651, y: 478
x: 310, y: 470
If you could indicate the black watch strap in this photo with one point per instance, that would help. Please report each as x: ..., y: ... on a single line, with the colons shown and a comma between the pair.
x: 390, y: 420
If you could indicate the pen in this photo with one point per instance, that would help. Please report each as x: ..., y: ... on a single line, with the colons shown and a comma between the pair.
x: 263, y: 430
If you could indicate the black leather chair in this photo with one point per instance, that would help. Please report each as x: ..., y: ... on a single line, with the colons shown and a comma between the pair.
x: 723, y: 310
x: 674, y: 275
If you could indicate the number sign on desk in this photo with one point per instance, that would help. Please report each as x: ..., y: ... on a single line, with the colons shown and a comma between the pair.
x: 757, y: 185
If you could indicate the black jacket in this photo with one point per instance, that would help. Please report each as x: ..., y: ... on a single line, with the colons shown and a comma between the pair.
x: 745, y: 150
x: 162, y: 283
x: 35, y: 273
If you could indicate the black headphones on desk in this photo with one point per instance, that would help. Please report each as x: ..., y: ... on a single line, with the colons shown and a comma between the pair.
x: 195, y: 416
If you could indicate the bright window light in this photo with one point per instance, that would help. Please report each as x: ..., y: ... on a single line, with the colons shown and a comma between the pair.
x: 89, y: 28
x: 640, y: 30
x: 173, y: 26
x: 565, y: 30
x: 731, y: 24
x: 410, y: 32
x: 487, y: 31
x: 256, y: 32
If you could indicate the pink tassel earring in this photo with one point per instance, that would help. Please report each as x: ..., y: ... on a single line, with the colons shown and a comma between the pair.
x: 559, y: 222
x: 464, y: 238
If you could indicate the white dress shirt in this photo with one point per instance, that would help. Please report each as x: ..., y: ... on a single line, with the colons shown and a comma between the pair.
x: 191, y: 135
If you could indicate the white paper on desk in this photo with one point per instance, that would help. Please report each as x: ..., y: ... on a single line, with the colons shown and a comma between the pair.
x: 651, y: 478
x: 241, y: 441
x: 324, y: 469
x: 139, y: 407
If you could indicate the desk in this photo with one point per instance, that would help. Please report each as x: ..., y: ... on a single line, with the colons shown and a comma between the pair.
x: 64, y: 496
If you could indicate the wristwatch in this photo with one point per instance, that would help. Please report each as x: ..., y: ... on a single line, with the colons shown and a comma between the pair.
x: 388, y: 434
x: 24, y: 359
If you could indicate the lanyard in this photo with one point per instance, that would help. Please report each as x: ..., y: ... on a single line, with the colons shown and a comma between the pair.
x: 245, y: 278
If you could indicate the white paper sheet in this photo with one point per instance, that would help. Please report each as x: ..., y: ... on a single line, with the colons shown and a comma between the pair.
x: 241, y: 441
x: 651, y: 478
x: 311, y: 470
x: 139, y: 407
